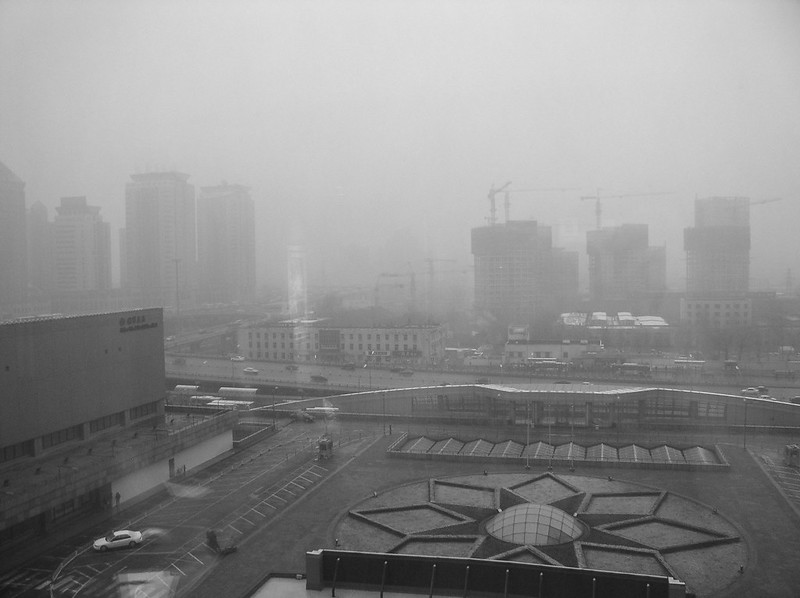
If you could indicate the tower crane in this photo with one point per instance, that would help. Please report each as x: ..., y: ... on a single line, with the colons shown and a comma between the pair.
x: 598, y: 209
x: 507, y: 195
x: 492, y: 208
x: 768, y: 200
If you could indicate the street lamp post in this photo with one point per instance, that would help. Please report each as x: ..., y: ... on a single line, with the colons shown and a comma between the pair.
x: 744, y: 437
x: 528, y: 435
x: 274, y: 390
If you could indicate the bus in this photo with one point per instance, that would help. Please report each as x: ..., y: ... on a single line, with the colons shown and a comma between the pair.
x: 233, y: 392
x: 230, y: 404
x: 632, y: 369
x: 186, y: 389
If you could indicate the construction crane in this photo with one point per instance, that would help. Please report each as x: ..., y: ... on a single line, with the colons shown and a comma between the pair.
x: 492, y: 207
x: 598, y: 209
x: 769, y: 200
x: 507, y: 195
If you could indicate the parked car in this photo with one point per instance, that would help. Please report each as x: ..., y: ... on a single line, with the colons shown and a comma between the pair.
x: 123, y: 538
x: 317, y: 378
x: 292, y: 367
x: 250, y: 371
x: 750, y: 392
x: 237, y: 358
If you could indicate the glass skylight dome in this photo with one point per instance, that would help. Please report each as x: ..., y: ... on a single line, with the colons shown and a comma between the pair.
x: 537, y: 525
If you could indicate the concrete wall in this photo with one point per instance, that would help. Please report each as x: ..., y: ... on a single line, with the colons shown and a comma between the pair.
x: 63, y: 372
x: 146, y: 479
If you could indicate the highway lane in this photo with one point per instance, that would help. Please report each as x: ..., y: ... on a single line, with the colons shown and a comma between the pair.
x: 277, y: 374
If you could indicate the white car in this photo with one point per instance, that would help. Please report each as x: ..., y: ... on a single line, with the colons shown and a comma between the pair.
x: 237, y: 358
x: 250, y: 370
x: 123, y: 538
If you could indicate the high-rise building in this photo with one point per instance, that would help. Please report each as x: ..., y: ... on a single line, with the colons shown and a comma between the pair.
x: 13, y: 244
x: 160, y: 240
x: 226, y: 244
x: 81, y: 247
x: 718, y: 246
x: 519, y: 277
x: 40, y: 249
x: 622, y: 264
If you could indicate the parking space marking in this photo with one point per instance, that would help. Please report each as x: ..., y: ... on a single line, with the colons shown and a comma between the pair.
x: 195, y: 558
x: 257, y: 511
x: 178, y: 569
x: 247, y: 520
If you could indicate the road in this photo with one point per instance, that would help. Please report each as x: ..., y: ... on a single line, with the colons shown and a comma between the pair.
x: 222, y: 370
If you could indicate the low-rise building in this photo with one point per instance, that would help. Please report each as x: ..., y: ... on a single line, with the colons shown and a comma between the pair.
x: 319, y: 341
x: 82, y: 426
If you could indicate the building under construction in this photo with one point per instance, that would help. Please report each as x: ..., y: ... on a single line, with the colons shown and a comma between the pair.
x: 520, y: 277
x: 718, y: 247
x: 622, y: 265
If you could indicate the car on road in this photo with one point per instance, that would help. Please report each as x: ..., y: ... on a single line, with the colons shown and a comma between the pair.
x: 318, y: 378
x: 349, y: 366
x: 123, y: 538
x: 250, y: 370
x: 237, y: 358
x: 750, y: 392
x: 406, y: 372
x: 292, y: 367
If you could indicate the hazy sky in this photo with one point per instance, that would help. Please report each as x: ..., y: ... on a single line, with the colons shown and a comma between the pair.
x: 358, y: 122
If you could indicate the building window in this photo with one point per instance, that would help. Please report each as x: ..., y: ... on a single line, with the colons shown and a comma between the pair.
x: 62, y: 436
x: 103, y: 423
x: 143, y: 410
x: 17, y: 451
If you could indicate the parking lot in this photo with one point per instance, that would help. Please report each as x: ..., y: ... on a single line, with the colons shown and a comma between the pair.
x: 232, y: 497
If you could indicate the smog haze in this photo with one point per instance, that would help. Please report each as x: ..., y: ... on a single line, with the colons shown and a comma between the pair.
x: 372, y: 132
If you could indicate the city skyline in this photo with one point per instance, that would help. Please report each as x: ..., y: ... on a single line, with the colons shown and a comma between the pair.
x: 358, y: 122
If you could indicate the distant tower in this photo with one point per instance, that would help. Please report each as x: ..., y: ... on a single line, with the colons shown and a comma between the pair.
x: 718, y: 246
x: 13, y: 244
x: 226, y: 244
x: 81, y: 247
x: 40, y: 249
x: 297, y: 295
x: 160, y: 240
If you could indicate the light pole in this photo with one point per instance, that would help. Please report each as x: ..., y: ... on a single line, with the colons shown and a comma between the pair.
x: 744, y: 437
x: 274, y: 390
x: 528, y: 435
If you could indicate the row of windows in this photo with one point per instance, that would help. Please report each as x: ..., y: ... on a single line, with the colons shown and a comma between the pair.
x: 297, y: 336
x: 143, y: 410
x: 283, y: 345
x: 16, y: 451
x: 62, y: 436
x: 716, y: 306
x: 378, y: 347
x: 103, y: 423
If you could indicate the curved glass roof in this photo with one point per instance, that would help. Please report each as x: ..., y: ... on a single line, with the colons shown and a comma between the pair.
x: 538, y: 525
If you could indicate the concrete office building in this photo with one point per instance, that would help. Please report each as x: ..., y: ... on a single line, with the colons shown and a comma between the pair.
x: 718, y: 247
x: 13, y: 249
x: 82, y: 420
x: 81, y: 247
x: 226, y: 244
x: 623, y: 266
x: 160, y: 239
x: 520, y: 278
